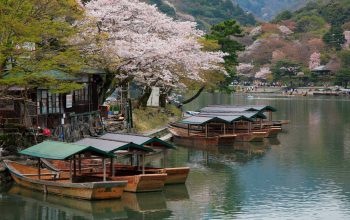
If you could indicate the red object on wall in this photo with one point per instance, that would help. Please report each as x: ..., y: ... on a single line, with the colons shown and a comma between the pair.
x: 47, y: 132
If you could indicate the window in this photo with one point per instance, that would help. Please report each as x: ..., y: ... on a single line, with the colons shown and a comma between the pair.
x: 48, y: 103
x: 81, y: 95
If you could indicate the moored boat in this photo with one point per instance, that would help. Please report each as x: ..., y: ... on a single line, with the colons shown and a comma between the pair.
x: 175, y: 175
x: 65, y: 184
x: 137, y: 179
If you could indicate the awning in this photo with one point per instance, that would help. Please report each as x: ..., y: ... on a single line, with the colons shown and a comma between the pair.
x: 237, y: 108
x: 55, y: 150
x: 235, y: 116
x: 228, y: 117
x: 112, y: 146
x: 201, y: 120
x: 136, y: 139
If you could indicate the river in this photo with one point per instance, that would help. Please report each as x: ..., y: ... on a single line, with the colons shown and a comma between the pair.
x: 302, y: 174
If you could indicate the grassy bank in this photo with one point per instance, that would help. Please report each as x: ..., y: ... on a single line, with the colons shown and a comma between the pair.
x: 149, y: 118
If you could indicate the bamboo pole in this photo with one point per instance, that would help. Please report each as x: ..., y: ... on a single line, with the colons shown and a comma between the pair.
x: 188, y: 130
x: 206, y: 130
x: 70, y: 170
x: 111, y: 168
x: 104, y: 169
x: 143, y: 163
x: 79, y: 163
x: 74, y: 166
x: 39, y: 171
x: 224, y: 129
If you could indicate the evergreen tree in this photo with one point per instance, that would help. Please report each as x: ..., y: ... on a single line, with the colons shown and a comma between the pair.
x: 222, y: 32
x: 335, y: 37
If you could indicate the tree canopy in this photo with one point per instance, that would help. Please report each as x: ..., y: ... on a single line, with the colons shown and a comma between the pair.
x: 222, y: 33
x: 34, y: 38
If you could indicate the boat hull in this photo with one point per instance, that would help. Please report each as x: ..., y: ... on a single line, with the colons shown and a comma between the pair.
x: 87, y: 190
x: 143, y: 182
x: 176, y: 175
x: 135, y: 183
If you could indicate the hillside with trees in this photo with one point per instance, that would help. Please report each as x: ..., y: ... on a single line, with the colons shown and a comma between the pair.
x: 296, y: 46
x: 204, y: 12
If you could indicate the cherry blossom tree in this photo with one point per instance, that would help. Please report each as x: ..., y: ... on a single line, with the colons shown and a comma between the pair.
x: 132, y: 40
x: 244, y: 68
x: 263, y: 73
x: 315, y: 60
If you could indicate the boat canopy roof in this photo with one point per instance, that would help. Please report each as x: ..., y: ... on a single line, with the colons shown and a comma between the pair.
x: 243, y: 115
x: 136, y: 139
x: 55, y: 150
x: 237, y: 108
x: 112, y: 146
x: 202, y: 119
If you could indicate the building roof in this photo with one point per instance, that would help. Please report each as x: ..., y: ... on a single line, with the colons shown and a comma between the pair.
x: 234, y: 116
x: 320, y: 69
x: 137, y: 139
x: 57, y: 74
x: 237, y: 108
x: 55, y: 150
x: 112, y: 146
x: 201, y: 120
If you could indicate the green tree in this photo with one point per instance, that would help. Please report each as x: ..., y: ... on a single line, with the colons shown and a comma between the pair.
x: 285, y: 69
x: 284, y: 15
x: 335, y: 37
x: 34, y: 39
x: 309, y: 23
x: 222, y: 33
x: 343, y: 77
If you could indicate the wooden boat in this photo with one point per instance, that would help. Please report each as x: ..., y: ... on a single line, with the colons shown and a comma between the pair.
x: 176, y: 175
x: 55, y: 183
x: 180, y: 136
x: 151, y: 146
x: 136, y: 181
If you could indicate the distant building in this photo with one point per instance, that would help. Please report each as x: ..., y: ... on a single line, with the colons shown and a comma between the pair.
x: 321, y: 71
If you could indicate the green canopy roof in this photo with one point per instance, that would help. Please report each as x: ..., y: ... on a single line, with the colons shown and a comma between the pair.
x: 137, y: 139
x: 237, y: 108
x: 112, y: 146
x: 55, y: 150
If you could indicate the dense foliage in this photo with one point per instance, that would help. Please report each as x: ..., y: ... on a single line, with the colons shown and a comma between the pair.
x: 222, y: 33
x: 34, y: 39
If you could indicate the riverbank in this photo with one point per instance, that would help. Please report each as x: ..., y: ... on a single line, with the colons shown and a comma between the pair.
x: 301, y: 91
x: 149, y: 120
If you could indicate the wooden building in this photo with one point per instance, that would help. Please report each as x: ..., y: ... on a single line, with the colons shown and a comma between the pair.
x: 41, y: 108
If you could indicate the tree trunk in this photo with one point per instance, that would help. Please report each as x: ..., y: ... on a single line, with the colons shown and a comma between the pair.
x: 106, y: 88
x: 162, y: 100
x: 109, y: 84
x: 142, y: 102
x: 193, y: 97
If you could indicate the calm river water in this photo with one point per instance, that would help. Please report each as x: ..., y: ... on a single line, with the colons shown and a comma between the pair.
x: 303, y: 174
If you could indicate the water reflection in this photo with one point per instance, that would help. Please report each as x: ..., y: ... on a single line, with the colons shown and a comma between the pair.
x: 22, y: 203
